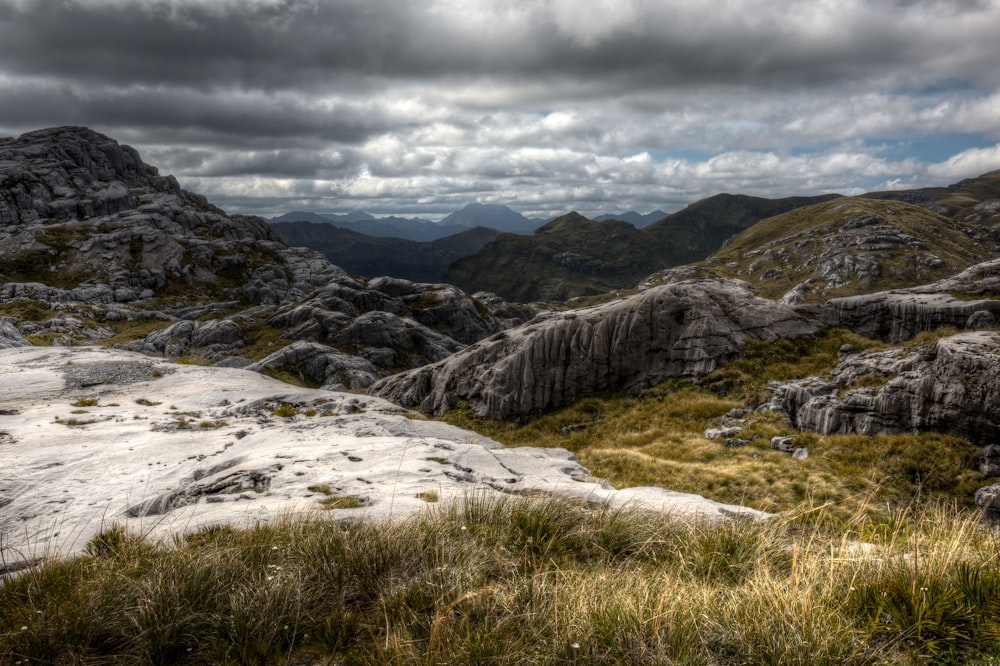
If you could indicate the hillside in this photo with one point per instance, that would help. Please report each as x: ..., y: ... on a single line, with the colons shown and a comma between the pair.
x: 370, y: 256
x: 574, y: 256
x: 96, y: 247
x: 846, y: 246
x: 973, y: 201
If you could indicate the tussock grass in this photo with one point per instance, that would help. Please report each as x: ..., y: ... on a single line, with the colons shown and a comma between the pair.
x: 657, y: 439
x: 519, y: 581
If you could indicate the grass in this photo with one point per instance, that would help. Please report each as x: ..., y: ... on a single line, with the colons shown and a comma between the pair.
x: 285, y: 411
x: 341, y: 502
x: 657, y: 439
x: 85, y: 402
x: 519, y: 581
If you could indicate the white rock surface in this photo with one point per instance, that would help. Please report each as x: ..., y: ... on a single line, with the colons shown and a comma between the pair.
x: 153, y: 455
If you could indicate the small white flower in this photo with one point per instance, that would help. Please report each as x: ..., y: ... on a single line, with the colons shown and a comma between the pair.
x: 24, y: 628
x: 575, y: 646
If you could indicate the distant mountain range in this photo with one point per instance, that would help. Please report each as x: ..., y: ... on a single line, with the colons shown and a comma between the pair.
x: 574, y: 256
x: 373, y: 256
x: 635, y: 219
x: 492, y: 216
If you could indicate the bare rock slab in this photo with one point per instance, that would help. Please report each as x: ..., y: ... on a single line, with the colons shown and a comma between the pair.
x: 91, y: 437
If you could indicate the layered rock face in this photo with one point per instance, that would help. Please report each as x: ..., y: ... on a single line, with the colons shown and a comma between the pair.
x: 86, y: 217
x: 680, y: 330
x: 961, y: 301
x: 952, y: 387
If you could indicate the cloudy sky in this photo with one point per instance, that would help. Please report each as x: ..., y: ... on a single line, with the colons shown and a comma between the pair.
x: 422, y: 106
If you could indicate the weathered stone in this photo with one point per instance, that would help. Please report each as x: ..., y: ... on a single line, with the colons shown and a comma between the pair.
x: 783, y: 444
x: 901, y: 314
x: 10, y: 336
x: 800, y: 454
x: 320, y: 365
x: 953, y: 387
x: 987, y: 499
x: 717, y: 433
x: 679, y: 330
x: 989, y: 461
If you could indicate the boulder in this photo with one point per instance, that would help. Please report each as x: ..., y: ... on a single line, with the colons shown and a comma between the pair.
x: 320, y: 365
x: 10, y: 336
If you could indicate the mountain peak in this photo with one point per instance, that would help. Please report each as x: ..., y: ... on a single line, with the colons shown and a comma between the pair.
x: 495, y: 216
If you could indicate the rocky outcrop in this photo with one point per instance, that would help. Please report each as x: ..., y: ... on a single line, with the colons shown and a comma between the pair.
x: 321, y: 365
x: 164, y: 449
x: 86, y: 217
x: 90, y: 230
x: 964, y: 300
x: 952, y: 387
x: 10, y: 336
x: 681, y: 330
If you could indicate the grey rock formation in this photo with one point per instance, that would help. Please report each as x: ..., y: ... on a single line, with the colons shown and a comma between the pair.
x: 988, y: 500
x: 321, y: 365
x: 141, y: 458
x: 951, y: 387
x: 681, y: 330
x: 989, y: 462
x: 89, y: 228
x: 10, y: 336
x: 965, y: 300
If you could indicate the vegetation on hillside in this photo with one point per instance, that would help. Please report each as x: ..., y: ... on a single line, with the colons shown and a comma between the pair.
x: 574, y: 256
x: 845, y: 247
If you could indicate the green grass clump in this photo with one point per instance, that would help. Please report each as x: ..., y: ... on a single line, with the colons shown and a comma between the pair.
x: 285, y: 411
x: 518, y: 580
x: 341, y: 502
x: 85, y: 402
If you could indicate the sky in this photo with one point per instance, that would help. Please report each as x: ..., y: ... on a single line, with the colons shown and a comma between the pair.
x: 546, y: 106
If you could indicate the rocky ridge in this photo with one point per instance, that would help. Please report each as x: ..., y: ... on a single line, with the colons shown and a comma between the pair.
x: 952, y: 386
x: 842, y: 247
x: 681, y: 330
x: 95, y: 243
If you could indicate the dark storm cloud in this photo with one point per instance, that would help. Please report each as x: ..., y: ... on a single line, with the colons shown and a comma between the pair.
x: 289, y: 44
x: 545, y: 105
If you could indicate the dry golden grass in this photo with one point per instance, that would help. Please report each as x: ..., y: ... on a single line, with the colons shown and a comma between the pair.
x: 657, y: 439
x: 521, y: 581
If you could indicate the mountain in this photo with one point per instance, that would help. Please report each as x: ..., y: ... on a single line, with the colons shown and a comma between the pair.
x: 414, y: 229
x: 493, y: 216
x: 637, y: 220
x: 843, y: 247
x: 974, y: 201
x: 473, y: 215
x: 575, y: 256
x: 370, y: 256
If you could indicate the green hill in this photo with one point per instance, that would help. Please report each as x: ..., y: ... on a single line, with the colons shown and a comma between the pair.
x: 847, y: 246
x: 575, y: 256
